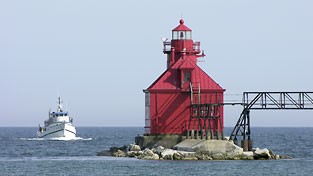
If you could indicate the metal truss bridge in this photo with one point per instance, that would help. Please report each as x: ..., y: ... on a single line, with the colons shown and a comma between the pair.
x: 266, y: 101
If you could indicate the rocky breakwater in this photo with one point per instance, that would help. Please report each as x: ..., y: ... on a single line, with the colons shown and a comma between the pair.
x: 193, y: 150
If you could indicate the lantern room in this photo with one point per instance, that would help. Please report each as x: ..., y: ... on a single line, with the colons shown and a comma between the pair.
x: 181, y: 44
x: 181, y: 32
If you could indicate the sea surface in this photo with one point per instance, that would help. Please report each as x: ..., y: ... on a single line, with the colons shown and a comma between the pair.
x: 21, y: 153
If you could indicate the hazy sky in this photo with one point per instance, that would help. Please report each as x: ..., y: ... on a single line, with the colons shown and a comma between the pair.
x: 100, y: 55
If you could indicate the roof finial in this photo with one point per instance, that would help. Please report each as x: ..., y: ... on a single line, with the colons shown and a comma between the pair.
x: 181, y: 21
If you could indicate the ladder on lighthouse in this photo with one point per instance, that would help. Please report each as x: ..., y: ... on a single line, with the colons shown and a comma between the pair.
x: 195, y: 98
x: 203, y: 116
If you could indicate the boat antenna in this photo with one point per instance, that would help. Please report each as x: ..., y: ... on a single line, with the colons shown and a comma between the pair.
x: 60, y: 105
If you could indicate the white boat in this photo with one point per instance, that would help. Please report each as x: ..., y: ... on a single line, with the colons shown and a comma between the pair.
x: 58, y: 125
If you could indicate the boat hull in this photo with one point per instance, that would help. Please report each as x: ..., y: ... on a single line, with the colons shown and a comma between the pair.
x: 58, y: 130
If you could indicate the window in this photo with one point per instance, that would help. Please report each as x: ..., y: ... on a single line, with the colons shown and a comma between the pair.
x: 188, y: 35
x: 175, y: 35
x: 187, y: 76
x: 181, y: 35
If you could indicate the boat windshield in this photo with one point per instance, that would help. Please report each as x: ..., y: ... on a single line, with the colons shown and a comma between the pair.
x: 58, y: 114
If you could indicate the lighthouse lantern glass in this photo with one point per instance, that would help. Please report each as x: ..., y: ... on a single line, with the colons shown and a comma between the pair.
x: 181, y: 35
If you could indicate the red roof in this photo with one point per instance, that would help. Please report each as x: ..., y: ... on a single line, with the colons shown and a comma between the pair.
x: 169, y: 80
x: 187, y: 64
x: 181, y: 27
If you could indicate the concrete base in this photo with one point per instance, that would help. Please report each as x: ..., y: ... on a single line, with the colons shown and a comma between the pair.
x: 213, y: 146
x: 167, y: 141
x: 188, y: 145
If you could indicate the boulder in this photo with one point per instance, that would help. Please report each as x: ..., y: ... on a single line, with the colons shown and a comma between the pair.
x: 187, y: 155
x: 167, y: 154
x: 148, y: 152
x: 115, y: 149
x: 218, y: 156
x: 260, y: 154
x: 134, y: 147
x: 177, y: 156
x: 247, y: 155
x: 182, y: 155
x: 135, y: 154
x: 158, y: 150
x: 203, y: 156
x: 148, y: 155
x: 153, y: 157
x: 277, y: 157
x: 119, y: 153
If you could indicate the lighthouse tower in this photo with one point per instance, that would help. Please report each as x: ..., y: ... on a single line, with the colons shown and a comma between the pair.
x: 181, y: 45
x: 184, y: 100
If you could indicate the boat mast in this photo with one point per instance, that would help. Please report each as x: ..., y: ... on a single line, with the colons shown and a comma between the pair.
x: 60, y: 105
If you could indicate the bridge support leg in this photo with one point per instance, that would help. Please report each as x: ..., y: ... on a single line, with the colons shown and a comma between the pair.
x: 244, y: 145
x: 249, y: 145
x: 235, y: 141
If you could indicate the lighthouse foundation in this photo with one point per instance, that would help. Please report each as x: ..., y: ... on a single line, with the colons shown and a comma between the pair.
x: 170, y: 140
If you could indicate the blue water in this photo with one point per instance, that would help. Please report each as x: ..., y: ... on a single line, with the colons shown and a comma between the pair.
x: 22, y: 154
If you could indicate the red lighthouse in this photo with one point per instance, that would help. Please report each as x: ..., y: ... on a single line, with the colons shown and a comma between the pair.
x: 184, y: 100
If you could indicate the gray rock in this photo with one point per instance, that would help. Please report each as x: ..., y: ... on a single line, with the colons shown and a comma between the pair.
x: 247, y: 155
x: 156, y: 156
x: 203, y: 156
x: 119, y: 153
x: 148, y: 152
x: 277, y: 157
x: 148, y: 155
x: 135, y: 154
x: 218, y: 156
x: 134, y: 147
x: 115, y: 149
x: 153, y: 157
x: 260, y: 154
x: 187, y: 155
x: 167, y: 154
x: 182, y: 155
x: 158, y: 150
x: 178, y: 156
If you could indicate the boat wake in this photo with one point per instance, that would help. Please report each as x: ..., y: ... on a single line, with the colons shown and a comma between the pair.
x: 57, y: 139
